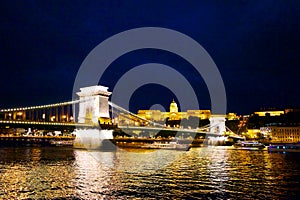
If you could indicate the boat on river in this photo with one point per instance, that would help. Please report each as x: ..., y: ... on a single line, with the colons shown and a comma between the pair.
x: 167, y: 146
x: 284, y: 148
x: 61, y: 142
x: 249, y: 145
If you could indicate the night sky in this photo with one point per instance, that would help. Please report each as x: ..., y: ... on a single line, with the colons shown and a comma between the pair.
x: 255, y: 45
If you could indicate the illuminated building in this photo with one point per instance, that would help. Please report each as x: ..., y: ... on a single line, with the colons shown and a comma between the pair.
x: 174, y: 114
x: 282, y: 134
x: 232, y: 116
x: 272, y: 113
x: 173, y: 107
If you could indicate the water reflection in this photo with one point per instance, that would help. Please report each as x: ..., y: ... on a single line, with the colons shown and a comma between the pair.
x: 35, y: 172
x: 92, y: 173
x: 201, y: 173
x: 107, y: 173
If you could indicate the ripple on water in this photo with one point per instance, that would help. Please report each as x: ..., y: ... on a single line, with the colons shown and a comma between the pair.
x: 201, y: 173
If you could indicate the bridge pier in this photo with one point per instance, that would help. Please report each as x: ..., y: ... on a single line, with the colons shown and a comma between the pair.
x: 93, y: 107
x: 93, y: 139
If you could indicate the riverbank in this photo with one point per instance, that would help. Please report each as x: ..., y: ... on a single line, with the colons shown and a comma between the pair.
x: 122, y: 142
x: 36, y: 140
x: 6, y: 140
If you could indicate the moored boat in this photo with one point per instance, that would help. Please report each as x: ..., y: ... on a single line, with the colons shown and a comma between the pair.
x: 61, y: 142
x: 249, y: 144
x: 284, y: 148
x: 167, y: 146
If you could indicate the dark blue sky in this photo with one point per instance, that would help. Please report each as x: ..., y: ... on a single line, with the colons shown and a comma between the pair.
x: 255, y: 45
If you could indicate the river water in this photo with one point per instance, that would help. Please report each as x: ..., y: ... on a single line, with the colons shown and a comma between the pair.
x: 201, y: 173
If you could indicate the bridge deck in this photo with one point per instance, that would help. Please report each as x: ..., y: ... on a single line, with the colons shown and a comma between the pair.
x: 43, y: 123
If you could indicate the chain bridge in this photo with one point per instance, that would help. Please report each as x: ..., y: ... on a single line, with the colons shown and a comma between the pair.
x: 93, y: 112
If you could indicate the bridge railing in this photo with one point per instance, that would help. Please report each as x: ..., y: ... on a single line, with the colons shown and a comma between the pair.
x: 57, y: 112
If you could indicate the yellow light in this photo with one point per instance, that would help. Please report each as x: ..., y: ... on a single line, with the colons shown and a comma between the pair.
x: 52, y: 118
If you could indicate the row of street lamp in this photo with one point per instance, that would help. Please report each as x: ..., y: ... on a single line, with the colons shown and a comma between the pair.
x: 19, y: 115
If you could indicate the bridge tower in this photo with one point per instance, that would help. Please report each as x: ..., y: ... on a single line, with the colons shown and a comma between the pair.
x: 93, y: 104
x: 217, y: 124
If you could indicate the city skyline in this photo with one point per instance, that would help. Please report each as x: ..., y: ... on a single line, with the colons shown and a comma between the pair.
x: 254, y: 47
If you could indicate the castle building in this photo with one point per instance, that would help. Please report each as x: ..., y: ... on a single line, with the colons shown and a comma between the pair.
x: 174, y: 114
x: 272, y: 113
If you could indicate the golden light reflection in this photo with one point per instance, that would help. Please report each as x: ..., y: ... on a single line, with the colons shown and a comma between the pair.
x: 29, y: 178
x: 93, y: 171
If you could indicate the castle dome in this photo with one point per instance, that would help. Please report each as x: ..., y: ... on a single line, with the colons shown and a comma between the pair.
x: 173, y: 107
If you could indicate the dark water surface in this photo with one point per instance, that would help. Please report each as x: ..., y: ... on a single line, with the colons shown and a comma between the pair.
x: 201, y: 173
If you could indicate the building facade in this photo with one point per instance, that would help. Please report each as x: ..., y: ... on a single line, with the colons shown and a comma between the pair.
x: 174, y: 114
x: 282, y: 134
x: 272, y: 113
